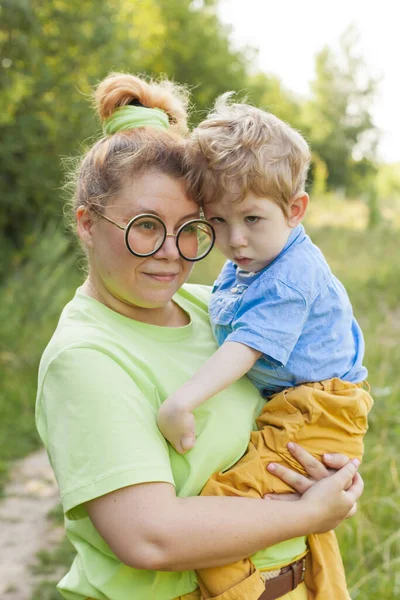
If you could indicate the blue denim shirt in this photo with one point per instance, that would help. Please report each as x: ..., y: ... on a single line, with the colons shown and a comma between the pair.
x: 296, y: 312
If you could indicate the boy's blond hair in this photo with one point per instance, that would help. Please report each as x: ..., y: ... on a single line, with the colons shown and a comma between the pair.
x: 239, y: 148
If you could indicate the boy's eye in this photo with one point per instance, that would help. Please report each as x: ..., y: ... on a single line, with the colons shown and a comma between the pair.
x: 191, y: 229
x: 217, y: 220
x: 252, y: 219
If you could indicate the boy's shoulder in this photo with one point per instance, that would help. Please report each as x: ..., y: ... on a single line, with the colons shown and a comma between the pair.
x: 301, y: 267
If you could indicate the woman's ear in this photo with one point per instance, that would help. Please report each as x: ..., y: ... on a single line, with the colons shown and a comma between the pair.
x: 297, y: 209
x: 84, y: 222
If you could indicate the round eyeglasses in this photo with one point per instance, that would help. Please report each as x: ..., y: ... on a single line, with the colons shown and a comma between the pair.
x: 146, y: 233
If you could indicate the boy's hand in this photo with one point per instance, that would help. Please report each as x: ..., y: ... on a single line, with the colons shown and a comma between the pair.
x: 177, y: 425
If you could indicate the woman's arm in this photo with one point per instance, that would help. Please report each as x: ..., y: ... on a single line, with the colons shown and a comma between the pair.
x: 148, y: 527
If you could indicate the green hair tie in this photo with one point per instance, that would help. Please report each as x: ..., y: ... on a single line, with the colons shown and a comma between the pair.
x: 129, y: 117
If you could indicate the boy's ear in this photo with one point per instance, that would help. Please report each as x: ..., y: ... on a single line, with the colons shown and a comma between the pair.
x: 84, y: 222
x: 297, y: 209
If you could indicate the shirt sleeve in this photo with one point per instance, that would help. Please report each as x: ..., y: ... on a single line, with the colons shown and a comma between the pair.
x: 270, y: 319
x: 101, y: 429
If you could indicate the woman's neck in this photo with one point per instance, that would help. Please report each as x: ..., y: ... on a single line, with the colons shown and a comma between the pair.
x: 169, y: 315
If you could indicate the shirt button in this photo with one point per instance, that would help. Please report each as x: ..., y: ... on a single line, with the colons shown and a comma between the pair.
x: 234, y: 290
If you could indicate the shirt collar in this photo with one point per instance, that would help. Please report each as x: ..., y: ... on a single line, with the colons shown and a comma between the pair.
x: 296, y: 236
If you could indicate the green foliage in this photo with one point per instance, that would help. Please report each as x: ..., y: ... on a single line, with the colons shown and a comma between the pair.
x: 55, y: 49
x: 196, y: 51
x: 268, y: 93
x: 388, y: 181
x: 338, y: 119
x: 30, y: 302
x: 55, y: 52
x: 373, y: 205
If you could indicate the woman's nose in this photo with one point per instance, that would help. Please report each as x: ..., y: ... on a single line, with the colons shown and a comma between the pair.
x: 169, y: 248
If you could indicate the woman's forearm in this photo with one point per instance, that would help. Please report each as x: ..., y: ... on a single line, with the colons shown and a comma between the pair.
x: 148, y: 527
x: 213, y: 531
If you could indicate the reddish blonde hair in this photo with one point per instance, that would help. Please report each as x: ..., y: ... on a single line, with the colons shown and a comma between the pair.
x: 107, y: 165
x: 239, y: 148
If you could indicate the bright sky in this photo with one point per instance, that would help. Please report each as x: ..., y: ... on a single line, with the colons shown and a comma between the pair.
x: 289, y: 33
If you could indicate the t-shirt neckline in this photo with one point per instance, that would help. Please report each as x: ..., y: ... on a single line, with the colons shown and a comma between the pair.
x: 159, y: 332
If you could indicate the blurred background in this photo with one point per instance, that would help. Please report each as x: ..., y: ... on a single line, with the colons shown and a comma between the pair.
x: 330, y: 70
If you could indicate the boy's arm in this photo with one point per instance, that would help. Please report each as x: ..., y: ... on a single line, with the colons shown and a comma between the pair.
x: 229, y: 363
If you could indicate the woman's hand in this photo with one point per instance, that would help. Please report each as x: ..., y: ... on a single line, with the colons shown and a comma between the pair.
x: 315, y: 469
x: 334, y: 498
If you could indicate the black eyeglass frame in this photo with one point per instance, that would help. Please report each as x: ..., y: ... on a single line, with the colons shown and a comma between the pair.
x: 176, y: 235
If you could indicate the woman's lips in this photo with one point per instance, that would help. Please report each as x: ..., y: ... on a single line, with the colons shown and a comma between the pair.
x: 164, y: 277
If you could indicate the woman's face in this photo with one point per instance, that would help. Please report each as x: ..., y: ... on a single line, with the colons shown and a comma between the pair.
x: 128, y: 282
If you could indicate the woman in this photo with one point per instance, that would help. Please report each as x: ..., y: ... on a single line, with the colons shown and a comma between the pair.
x: 132, y: 334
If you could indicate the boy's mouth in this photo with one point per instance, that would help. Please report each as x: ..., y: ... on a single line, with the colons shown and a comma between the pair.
x: 241, y: 260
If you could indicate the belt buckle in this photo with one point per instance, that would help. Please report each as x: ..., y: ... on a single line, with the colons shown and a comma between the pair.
x: 303, y: 569
x: 298, y: 577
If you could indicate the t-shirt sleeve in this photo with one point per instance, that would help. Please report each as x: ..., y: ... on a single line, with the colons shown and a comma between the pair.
x: 101, y: 429
x: 270, y: 319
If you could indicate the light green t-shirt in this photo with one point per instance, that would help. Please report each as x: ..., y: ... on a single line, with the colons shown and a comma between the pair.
x: 102, y: 379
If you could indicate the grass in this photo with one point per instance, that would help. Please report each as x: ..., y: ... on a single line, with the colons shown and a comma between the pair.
x: 30, y: 302
x: 50, y: 567
x: 365, y: 261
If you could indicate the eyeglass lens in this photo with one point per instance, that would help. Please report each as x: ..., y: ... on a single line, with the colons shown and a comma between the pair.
x: 146, y: 235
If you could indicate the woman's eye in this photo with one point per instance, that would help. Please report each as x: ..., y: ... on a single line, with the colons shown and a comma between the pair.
x: 146, y: 225
x: 252, y: 219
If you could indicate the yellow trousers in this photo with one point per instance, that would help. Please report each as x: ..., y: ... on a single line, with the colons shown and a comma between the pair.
x: 325, y: 417
x: 300, y: 593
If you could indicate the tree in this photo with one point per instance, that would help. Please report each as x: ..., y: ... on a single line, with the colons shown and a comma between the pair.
x: 196, y: 51
x: 53, y: 50
x: 338, y: 117
x: 268, y: 92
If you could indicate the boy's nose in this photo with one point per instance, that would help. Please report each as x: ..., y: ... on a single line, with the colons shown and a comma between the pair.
x: 237, y: 239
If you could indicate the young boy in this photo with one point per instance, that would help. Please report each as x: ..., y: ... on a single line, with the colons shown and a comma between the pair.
x: 280, y: 316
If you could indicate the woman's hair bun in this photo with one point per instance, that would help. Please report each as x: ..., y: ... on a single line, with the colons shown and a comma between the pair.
x: 120, y: 89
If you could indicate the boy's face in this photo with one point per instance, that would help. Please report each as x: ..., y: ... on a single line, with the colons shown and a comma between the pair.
x: 252, y: 232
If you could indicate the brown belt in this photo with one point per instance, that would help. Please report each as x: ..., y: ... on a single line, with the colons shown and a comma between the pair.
x: 287, y: 581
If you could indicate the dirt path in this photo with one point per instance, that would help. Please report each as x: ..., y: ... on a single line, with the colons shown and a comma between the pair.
x: 24, y: 528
